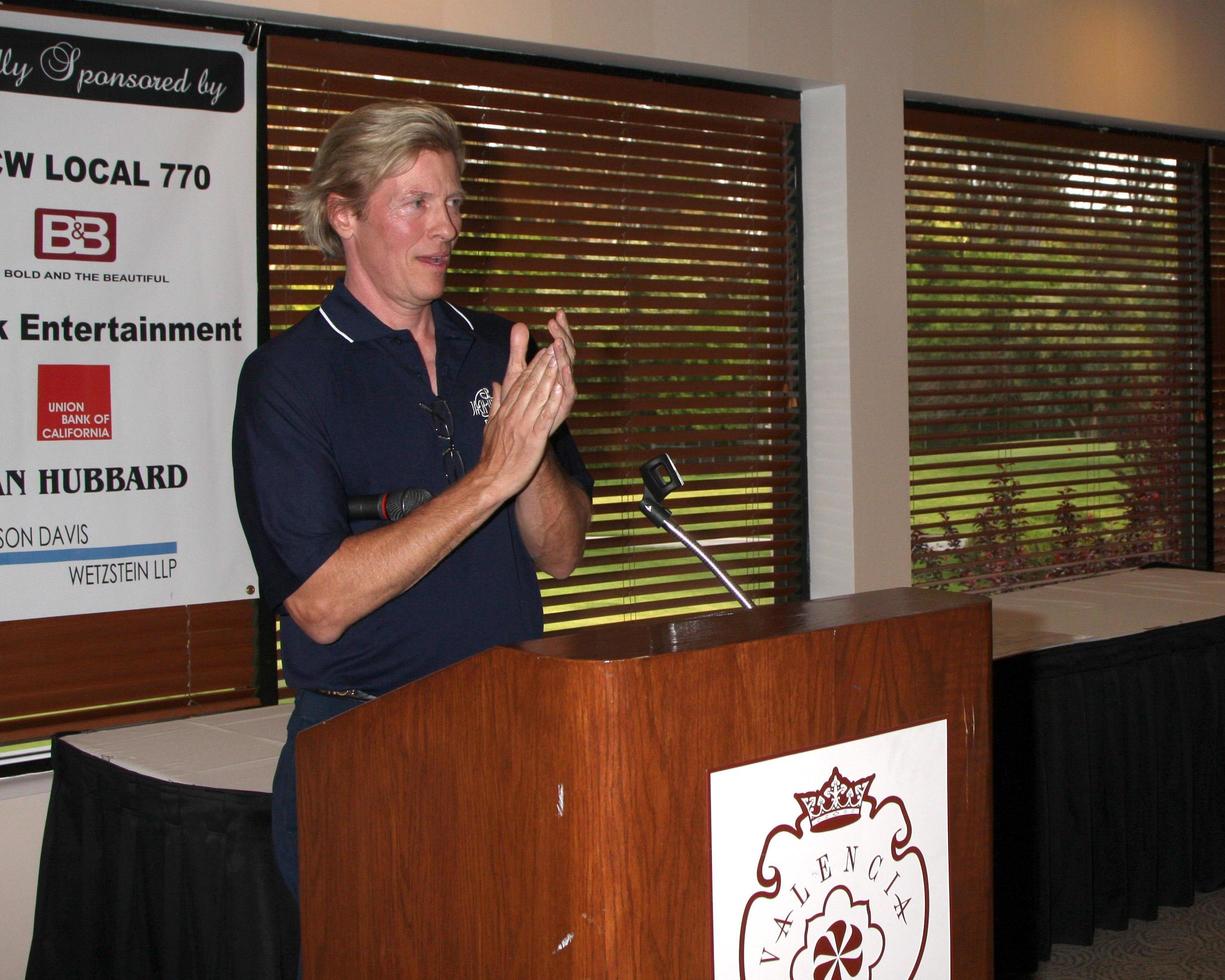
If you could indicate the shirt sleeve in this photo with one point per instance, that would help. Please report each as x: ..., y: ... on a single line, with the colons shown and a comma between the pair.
x: 290, y: 497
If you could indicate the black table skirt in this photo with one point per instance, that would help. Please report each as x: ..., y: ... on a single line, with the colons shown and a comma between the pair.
x: 1109, y: 785
x: 145, y: 878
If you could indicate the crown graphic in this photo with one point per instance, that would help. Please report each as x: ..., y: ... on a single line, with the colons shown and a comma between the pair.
x: 836, y: 803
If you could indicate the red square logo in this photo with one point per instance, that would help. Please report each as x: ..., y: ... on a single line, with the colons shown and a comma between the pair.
x: 77, y: 236
x: 74, y: 402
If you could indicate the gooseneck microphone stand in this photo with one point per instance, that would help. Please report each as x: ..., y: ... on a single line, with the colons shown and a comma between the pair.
x: 660, y: 478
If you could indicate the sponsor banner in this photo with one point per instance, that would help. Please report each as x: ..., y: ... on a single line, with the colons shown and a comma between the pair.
x: 833, y: 863
x: 88, y: 65
x: 128, y: 301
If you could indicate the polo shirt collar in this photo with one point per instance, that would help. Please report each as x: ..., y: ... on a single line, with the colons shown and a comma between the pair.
x: 345, y: 314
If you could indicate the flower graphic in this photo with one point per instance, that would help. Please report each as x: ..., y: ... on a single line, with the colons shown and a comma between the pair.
x: 840, y: 942
x: 839, y: 953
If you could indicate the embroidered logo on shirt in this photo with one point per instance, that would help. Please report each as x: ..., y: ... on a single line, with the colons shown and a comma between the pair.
x: 482, y: 403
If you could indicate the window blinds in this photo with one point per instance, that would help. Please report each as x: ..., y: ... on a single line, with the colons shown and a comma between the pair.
x: 1057, y: 356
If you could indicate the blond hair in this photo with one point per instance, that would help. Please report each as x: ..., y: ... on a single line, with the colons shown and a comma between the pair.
x: 363, y: 147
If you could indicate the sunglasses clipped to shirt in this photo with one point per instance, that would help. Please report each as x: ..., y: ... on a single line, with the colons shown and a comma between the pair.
x: 444, y: 428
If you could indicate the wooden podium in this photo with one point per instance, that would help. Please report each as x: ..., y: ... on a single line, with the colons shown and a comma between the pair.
x: 544, y: 810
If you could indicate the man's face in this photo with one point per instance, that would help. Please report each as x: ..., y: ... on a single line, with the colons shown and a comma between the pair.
x: 397, y: 251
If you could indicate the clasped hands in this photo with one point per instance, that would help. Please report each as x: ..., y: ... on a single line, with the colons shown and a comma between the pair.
x: 530, y: 404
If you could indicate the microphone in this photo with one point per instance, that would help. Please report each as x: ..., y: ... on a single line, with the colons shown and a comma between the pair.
x: 390, y: 506
x: 659, y: 478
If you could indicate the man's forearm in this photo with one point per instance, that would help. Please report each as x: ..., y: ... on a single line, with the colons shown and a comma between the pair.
x: 553, y: 512
x: 372, y: 568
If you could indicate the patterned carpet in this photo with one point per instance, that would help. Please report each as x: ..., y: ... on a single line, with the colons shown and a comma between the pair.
x: 1181, y: 943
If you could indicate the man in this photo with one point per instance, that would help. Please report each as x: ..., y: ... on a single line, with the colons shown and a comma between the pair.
x: 387, y: 387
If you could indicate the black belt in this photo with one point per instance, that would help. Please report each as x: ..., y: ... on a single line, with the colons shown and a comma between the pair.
x: 352, y: 693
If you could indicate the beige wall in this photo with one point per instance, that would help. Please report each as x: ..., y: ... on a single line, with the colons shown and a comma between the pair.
x: 1141, y: 60
x: 1148, y: 63
x: 23, y: 810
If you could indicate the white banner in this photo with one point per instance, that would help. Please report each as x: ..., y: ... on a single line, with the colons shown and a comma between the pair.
x: 834, y: 862
x: 128, y: 300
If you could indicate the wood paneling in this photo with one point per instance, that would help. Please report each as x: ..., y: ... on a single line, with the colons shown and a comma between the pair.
x: 67, y: 673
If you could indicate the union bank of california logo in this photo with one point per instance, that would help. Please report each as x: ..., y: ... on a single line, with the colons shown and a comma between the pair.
x: 844, y: 892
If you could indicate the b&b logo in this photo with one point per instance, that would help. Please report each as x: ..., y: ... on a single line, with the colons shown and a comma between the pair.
x: 77, y: 236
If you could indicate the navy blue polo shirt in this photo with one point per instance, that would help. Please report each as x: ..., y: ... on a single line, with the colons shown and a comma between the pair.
x: 335, y: 408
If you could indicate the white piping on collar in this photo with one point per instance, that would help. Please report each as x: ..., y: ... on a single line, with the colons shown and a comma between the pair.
x: 458, y: 311
x: 333, y: 326
x: 461, y: 315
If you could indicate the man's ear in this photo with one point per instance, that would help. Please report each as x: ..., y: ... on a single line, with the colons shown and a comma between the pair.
x: 341, y: 215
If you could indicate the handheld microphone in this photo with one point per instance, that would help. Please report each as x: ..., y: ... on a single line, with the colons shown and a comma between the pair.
x: 390, y: 506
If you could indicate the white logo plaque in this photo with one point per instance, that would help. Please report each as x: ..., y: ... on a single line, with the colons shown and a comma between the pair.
x: 832, y: 864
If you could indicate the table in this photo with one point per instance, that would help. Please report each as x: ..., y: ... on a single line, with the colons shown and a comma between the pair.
x: 1109, y: 727
x: 157, y: 860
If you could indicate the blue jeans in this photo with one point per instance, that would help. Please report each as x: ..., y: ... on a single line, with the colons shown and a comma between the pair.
x: 309, y: 709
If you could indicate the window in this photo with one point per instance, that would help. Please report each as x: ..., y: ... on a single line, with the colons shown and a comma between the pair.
x: 1216, y: 247
x: 1058, y: 369
x: 662, y: 215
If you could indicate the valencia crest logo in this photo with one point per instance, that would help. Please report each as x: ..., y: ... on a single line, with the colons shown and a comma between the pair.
x: 842, y: 890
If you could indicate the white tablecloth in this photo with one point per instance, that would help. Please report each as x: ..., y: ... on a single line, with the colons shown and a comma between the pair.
x: 1112, y: 605
x: 234, y: 750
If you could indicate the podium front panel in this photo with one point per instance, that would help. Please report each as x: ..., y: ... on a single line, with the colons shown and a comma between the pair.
x: 544, y: 810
